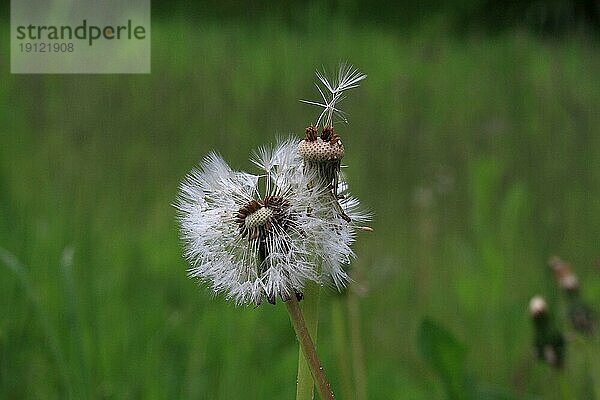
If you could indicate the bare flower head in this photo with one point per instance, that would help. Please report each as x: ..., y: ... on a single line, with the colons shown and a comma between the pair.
x: 322, y: 149
x: 256, y: 237
x: 327, y: 147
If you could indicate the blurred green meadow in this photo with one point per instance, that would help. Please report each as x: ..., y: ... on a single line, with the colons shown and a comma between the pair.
x: 478, y: 154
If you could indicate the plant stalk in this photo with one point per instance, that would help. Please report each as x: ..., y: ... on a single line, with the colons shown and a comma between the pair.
x: 308, y: 350
x: 338, y: 323
x: 310, y: 311
x: 358, y: 356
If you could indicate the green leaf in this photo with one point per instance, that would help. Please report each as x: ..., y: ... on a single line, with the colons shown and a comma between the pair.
x: 446, y: 355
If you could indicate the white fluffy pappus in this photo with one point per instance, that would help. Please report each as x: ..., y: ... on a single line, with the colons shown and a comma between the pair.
x: 332, y: 92
x: 255, y: 237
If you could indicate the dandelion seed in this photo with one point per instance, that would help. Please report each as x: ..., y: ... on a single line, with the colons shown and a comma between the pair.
x: 332, y: 93
x: 256, y: 241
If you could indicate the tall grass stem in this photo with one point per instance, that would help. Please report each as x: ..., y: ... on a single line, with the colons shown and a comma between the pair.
x: 358, y: 357
x: 305, y: 324
x: 340, y: 342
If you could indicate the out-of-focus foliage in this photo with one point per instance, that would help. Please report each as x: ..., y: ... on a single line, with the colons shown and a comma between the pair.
x: 446, y: 355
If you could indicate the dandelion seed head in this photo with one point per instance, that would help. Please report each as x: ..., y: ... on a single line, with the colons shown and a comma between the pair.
x: 254, y: 241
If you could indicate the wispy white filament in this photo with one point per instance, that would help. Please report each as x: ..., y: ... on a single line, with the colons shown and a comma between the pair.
x: 332, y: 92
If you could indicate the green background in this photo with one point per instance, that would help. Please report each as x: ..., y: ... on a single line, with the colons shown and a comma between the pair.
x: 477, y: 149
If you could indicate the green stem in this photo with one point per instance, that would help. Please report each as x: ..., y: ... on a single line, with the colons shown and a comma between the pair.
x: 340, y: 341
x: 310, y: 309
x: 563, y: 385
x: 358, y: 357
x: 308, y: 350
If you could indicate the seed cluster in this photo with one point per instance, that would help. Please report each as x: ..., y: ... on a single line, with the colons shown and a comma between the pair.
x: 311, y: 133
x: 328, y: 135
